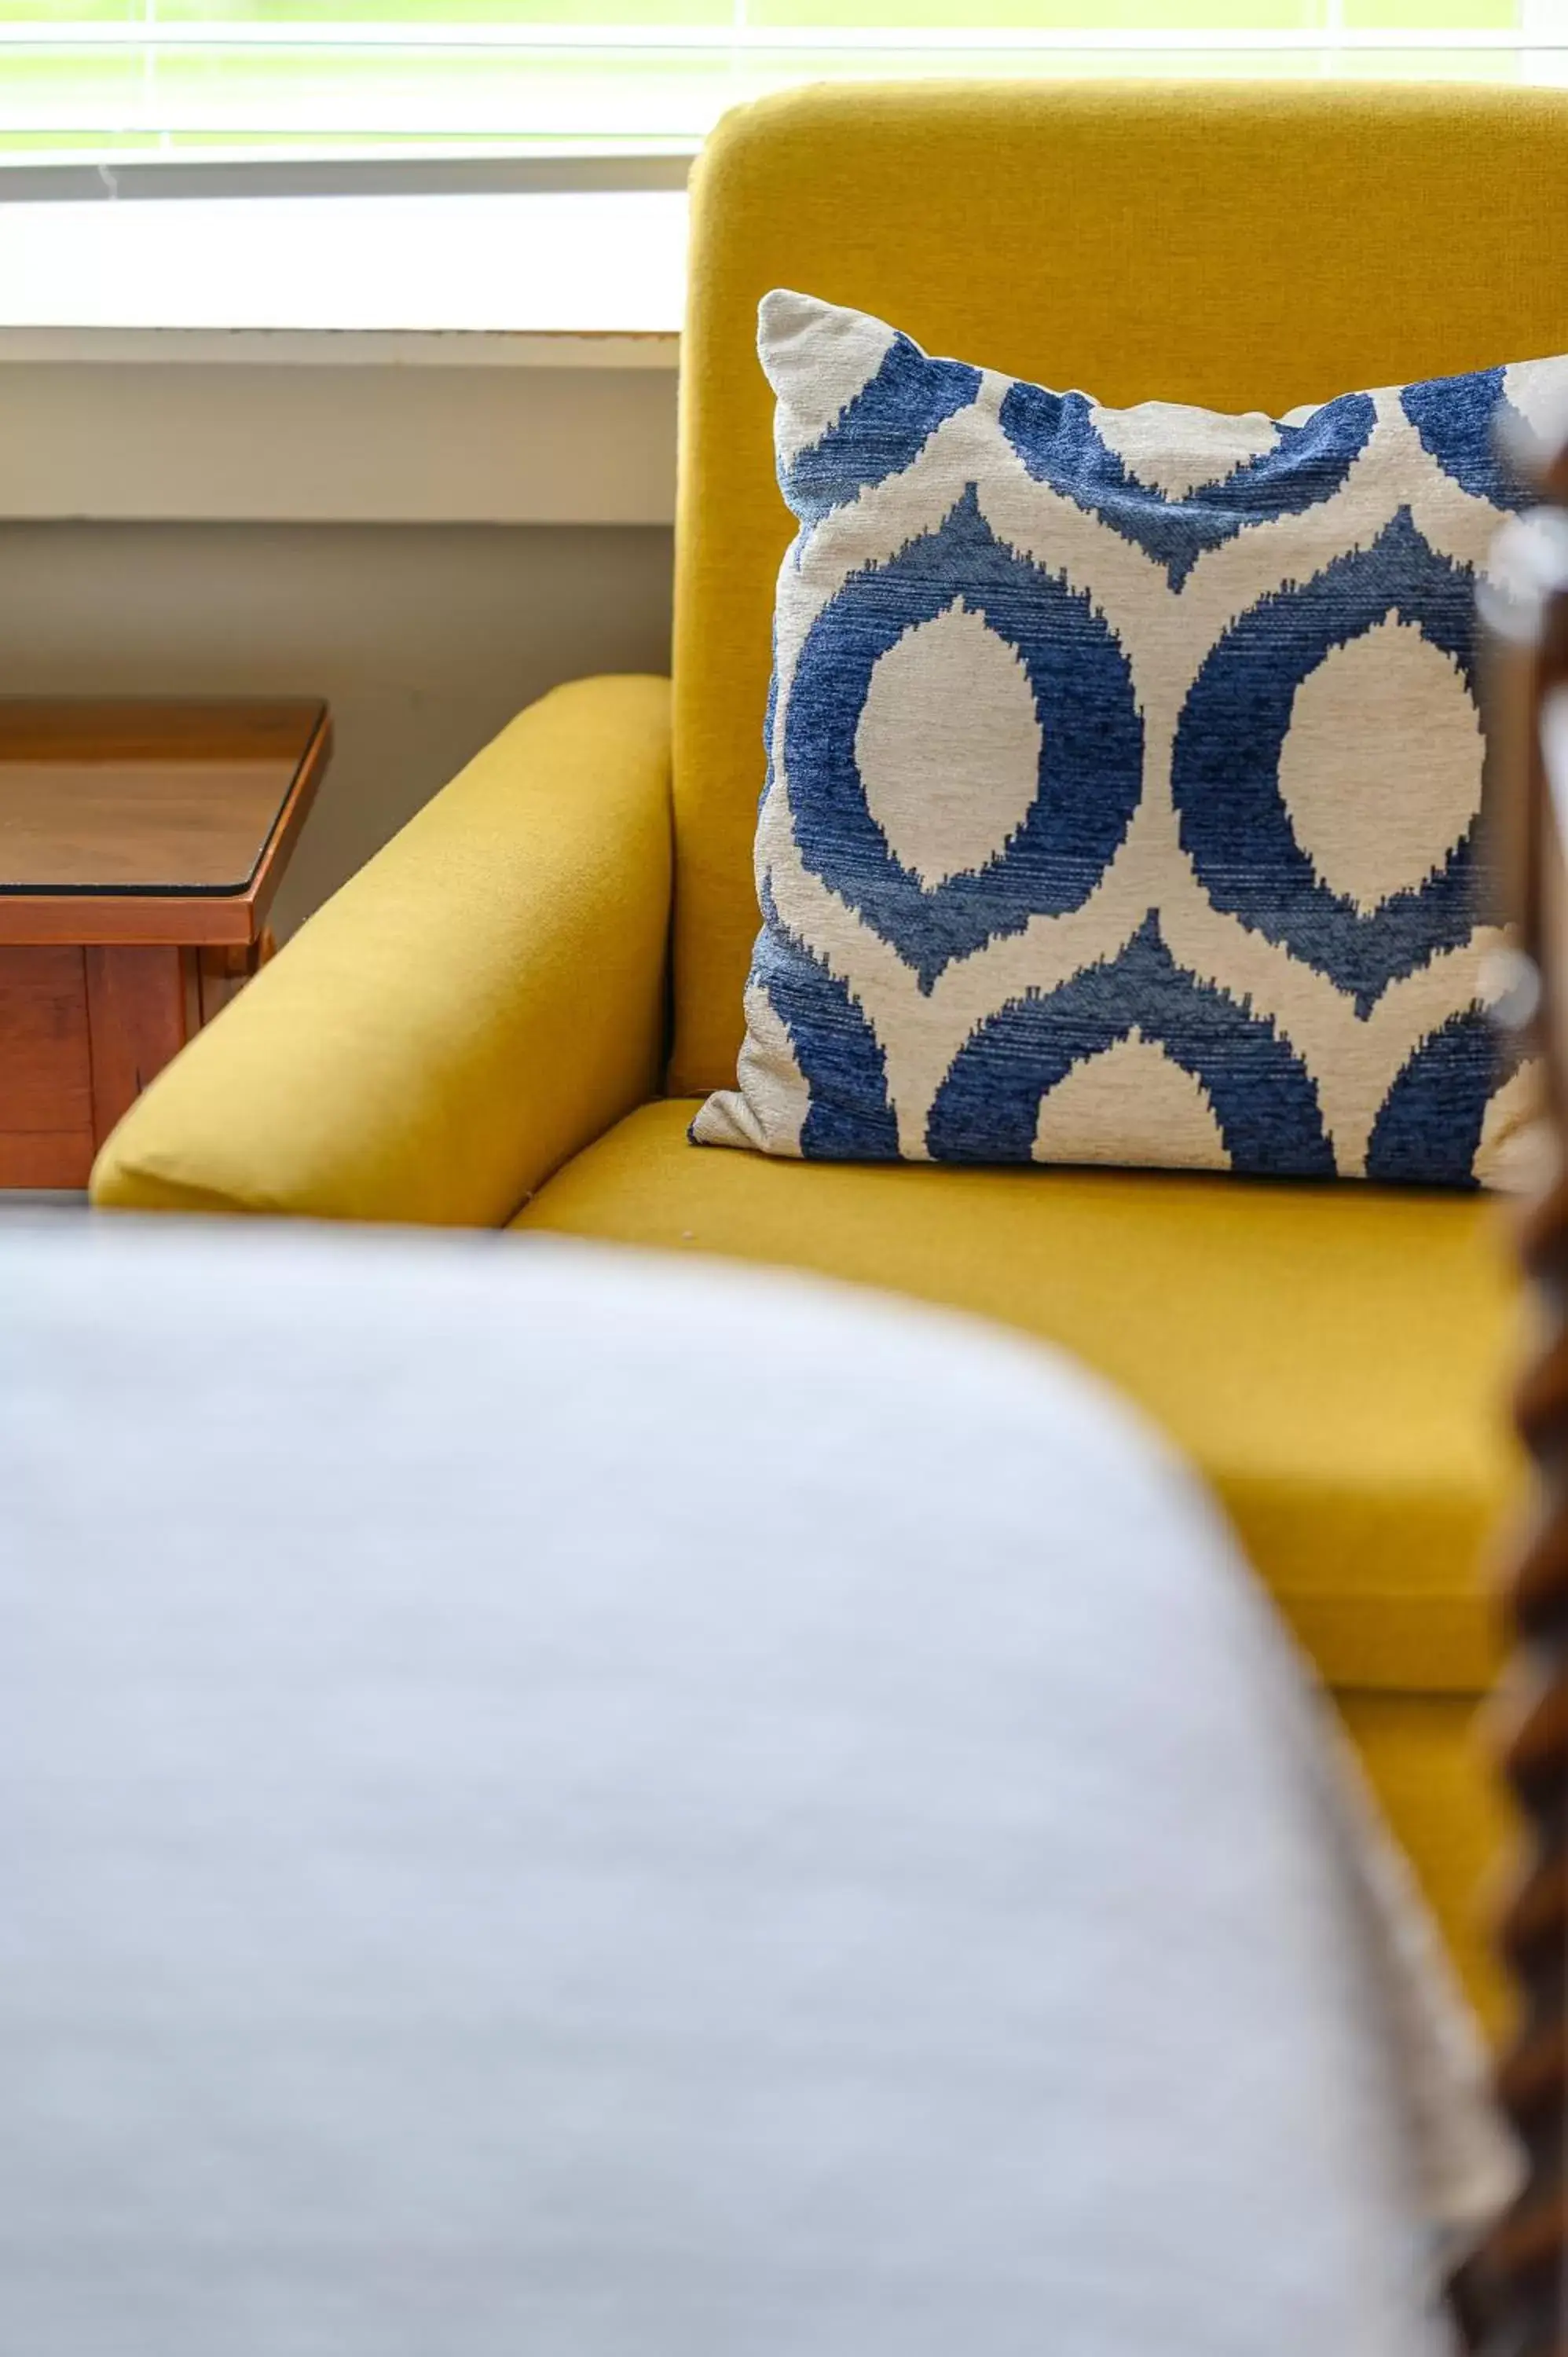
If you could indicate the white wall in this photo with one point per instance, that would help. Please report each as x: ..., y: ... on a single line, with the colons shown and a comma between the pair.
x: 424, y: 638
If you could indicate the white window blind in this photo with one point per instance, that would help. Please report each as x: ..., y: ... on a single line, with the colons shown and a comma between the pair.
x: 100, y: 79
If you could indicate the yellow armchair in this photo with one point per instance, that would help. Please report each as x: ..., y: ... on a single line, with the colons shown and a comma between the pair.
x: 474, y: 1032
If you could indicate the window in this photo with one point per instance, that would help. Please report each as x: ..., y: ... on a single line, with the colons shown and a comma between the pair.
x: 96, y: 79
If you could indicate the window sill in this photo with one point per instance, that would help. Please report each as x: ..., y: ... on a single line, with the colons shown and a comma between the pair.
x: 338, y: 348
x: 496, y: 359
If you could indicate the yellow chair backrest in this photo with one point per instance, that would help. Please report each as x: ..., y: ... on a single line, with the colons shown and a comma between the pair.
x: 1239, y: 245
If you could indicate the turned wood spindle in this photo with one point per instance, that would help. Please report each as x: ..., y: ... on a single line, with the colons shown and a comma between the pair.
x: 1526, y: 2265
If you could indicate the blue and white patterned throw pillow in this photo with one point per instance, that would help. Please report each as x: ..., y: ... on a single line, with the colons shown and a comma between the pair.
x: 1125, y: 772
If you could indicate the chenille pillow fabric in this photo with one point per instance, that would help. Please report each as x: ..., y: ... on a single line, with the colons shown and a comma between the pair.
x: 1124, y: 773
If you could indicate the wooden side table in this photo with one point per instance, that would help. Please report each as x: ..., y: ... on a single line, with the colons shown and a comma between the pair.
x: 141, y: 845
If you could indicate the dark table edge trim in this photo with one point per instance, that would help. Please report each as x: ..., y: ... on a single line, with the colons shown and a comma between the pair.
x: 195, y: 916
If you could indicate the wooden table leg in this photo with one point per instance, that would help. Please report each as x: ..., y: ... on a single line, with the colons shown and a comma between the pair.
x: 46, y: 1076
x: 140, y: 1013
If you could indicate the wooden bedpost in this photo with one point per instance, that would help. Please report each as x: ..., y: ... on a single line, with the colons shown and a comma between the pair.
x: 1526, y: 2268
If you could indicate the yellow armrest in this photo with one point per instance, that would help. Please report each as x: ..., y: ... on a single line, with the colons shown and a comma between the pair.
x: 479, y: 1002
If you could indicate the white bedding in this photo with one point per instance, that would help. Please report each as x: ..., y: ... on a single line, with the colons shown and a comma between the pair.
x: 560, y: 1804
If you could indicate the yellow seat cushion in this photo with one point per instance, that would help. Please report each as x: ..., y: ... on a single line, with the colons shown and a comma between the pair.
x: 1427, y: 1759
x: 1333, y: 1360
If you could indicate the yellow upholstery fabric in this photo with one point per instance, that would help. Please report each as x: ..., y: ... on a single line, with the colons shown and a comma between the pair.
x: 1238, y: 245
x: 482, y: 999
x: 1333, y: 1358
x: 1425, y: 1758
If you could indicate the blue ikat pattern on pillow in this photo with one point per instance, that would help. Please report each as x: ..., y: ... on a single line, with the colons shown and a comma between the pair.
x: 1125, y: 775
